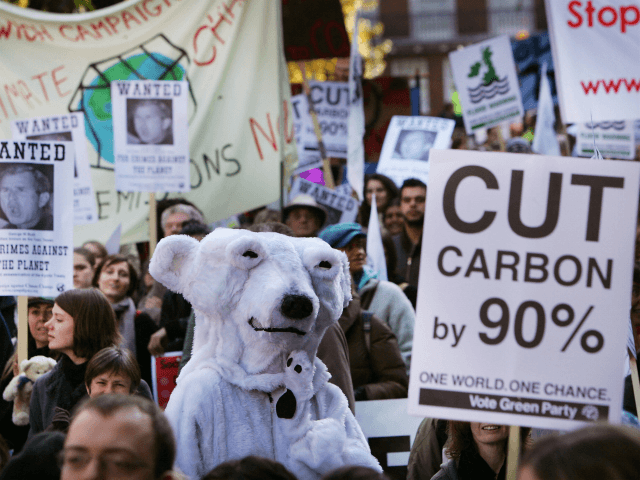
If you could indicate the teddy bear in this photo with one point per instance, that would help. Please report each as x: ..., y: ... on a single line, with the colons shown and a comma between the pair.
x: 20, y: 387
x: 253, y: 385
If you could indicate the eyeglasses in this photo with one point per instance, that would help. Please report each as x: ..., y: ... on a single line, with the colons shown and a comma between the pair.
x: 115, y: 465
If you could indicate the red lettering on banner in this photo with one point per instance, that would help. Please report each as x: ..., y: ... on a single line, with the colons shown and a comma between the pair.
x: 62, y: 29
x: 100, y: 25
x: 82, y: 31
x: 127, y: 16
x: 607, y: 16
x: 39, y: 78
x: 271, y: 139
x: 57, y: 82
x: 30, y: 32
x: 13, y: 90
x: 287, y: 137
x: 158, y: 9
x: 25, y: 92
x: 213, y: 29
x: 6, y: 115
x: 141, y: 13
x: 112, y: 21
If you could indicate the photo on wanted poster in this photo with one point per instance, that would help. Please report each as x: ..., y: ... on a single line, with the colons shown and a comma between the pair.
x: 26, y: 196
x: 149, y: 121
x: 414, y: 144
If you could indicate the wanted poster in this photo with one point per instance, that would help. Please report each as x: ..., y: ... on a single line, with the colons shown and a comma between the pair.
x: 526, y: 258
x: 308, y: 154
x: 36, y: 217
x: 65, y: 128
x: 150, y: 135
x: 613, y: 139
x: 486, y: 79
x: 405, y: 151
x: 340, y: 208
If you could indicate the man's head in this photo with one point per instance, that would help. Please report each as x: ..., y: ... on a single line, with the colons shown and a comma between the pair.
x: 174, y: 218
x: 413, y: 196
x: 304, y: 216
x: 39, y: 313
x: 24, y: 194
x: 152, y: 121
x: 118, y: 437
x: 112, y: 370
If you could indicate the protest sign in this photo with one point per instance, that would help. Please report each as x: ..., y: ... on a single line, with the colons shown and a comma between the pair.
x: 405, y: 151
x: 390, y: 431
x: 544, y: 284
x: 613, y: 139
x: 595, y: 50
x: 487, y: 83
x: 65, y: 128
x: 36, y: 222
x: 164, y: 373
x: 150, y: 135
x: 331, y: 103
x: 340, y: 208
x: 230, y: 52
x: 308, y: 155
x: 530, y: 55
x: 355, y: 122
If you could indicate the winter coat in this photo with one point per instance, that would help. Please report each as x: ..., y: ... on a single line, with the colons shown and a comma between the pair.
x: 408, y: 257
x: 333, y: 351
x: 448, y: 471
x: 218, y: 411
x: 379, y: 369
x: 387, y: 301
x: 470, y: 466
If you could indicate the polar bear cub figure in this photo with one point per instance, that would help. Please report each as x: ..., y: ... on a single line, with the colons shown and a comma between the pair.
x: 253, y: 385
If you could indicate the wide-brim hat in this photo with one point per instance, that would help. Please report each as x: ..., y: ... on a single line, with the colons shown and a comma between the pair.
x: 341, y: 234
x: 305, y: 201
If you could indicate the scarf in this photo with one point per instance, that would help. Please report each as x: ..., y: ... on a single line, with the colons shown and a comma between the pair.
x: 126, y: 314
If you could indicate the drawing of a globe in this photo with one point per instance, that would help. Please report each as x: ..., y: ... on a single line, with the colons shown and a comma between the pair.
x: 96, y: 101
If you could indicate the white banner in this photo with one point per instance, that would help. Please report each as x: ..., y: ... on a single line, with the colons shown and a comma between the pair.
x: 65, y: 128
x: 306, y: 144
x: 527, y: 258
x: 613, y: 139
x: 596, y: 56
x: 355, y: 122
x: 36, y: 224
x: 340, y: 208
x: 406, y: 147
x: 150, y: 135
x: 331, y: 103
x: 487, y: 83
x: 229, y: 51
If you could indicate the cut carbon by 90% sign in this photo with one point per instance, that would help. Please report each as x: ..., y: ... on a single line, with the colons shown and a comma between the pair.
x: 562, y: 315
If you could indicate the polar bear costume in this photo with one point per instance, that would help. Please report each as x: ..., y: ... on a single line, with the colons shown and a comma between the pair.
x: 254, y: 386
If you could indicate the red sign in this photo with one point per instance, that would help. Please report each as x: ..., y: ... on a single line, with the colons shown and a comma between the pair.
x: 165, y: 370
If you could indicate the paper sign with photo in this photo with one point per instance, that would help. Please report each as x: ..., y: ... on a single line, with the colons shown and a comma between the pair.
x: 306, y: 143
x: 65, y: 128
x: 405, y: 151
x: 36, y: 217
x: 150, y: 135
x: 485, y: 75
x: 340, y: 208
x: 613, y: 139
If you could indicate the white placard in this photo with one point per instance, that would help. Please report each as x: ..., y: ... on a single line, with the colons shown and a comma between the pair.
x: 340, y: 208
x: 331, y: 104
x: 36, y: 222
x: 405, y: 151
x: 308, y: 154
x: 65, y: 128
x: 613, y: 139
x: 389, y: 429
x: 523, y: 296
x: 150, y: 135
x: 487, y: 83
x: 596, y: 53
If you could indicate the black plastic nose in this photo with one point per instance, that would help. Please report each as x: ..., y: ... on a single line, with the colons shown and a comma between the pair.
x: 296, y: 307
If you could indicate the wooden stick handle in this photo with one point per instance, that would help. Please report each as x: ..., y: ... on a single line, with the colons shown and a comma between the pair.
x: 153, y: 222
x: 513, y: 454
x: 634, y: 381
x: 23, y: 328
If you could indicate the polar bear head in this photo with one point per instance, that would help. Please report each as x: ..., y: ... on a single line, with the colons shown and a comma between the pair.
x: 257, y: 296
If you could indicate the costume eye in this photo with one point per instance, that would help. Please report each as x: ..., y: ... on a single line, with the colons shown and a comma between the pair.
x: 324, y: 264
x: 250, y: 254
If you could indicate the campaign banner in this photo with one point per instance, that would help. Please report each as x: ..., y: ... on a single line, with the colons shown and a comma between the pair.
x: 526, y: 258
x: 229, y: 51
x: 65, y: 128
x: 150, y: 135
x: 406, y: 147
x: 487, y: 83
x: 340, y: 208
x: 331, y: 103
x: 604, y: 84
x: 390, y: 432
x: 36, y: 218
x: 306, y: 144
x: 613, y: 139
x: 164, y: 373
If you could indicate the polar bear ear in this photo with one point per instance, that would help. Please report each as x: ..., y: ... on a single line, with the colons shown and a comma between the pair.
x: 345, y: 280
x: 172, y: 259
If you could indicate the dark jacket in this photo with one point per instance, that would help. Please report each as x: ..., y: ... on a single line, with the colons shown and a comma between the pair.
x: 379, y: 369
x: 408, y: 257
x: 334, y: 353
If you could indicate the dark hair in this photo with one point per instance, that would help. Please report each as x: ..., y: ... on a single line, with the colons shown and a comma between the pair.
x: 276, y: 227
x: 194, y: 227
x: 364, y: 211
x: 100, y: 247
x: 250, y: 468
x: 87, y: 254
x: 112, y: 260
x: 412, y: 182
x: 591, y: 453
x: 461, y: 438
x: 94, y: 322
x: 115, y: 359
x: 164, y: 440
x: 354, y: 472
